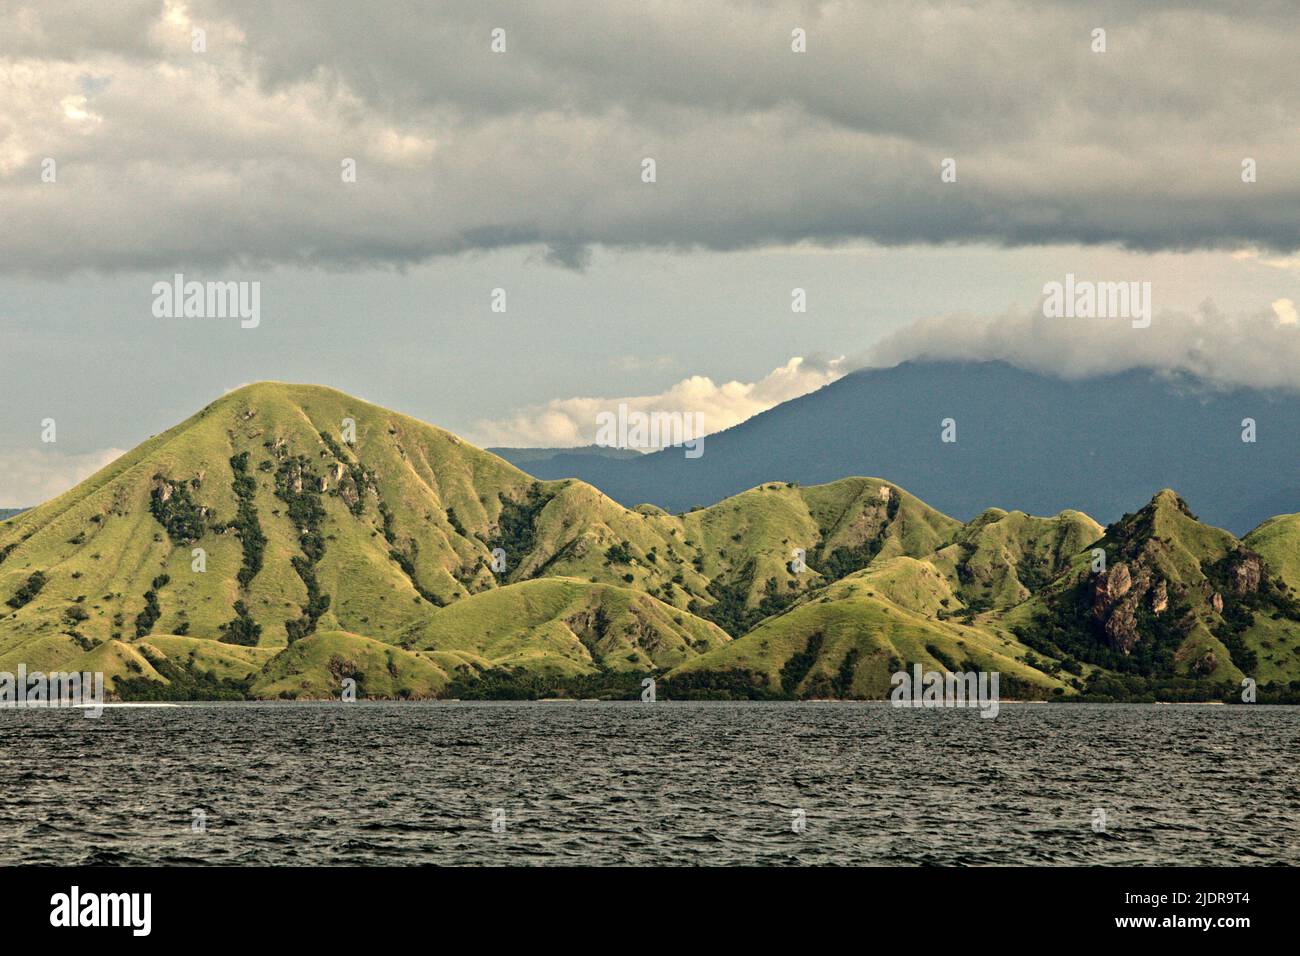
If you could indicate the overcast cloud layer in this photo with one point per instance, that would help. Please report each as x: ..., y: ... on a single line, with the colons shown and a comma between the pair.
x: 1255, y: 351
x: 168, y: 158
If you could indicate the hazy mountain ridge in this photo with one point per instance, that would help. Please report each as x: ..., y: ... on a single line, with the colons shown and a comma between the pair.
x: 519, y: 457
x: 1024, y: 441
x: 379, y: 559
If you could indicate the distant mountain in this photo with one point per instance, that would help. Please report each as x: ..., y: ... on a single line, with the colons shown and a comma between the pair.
x: 289, y: 537
x: 1024, y: 440
x: 519, y: 457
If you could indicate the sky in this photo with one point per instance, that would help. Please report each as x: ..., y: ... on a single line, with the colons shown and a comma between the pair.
x: 919, y: 170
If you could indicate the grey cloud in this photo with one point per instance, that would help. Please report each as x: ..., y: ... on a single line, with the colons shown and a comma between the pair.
x: 232, y: 156
x: 68, y: 30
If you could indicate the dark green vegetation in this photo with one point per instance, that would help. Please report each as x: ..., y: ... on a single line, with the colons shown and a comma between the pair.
x: 27, y: 591
x: 183, y: 682
x: 372, y: 561
x: 242, y: 630
x: 246, y: 525
x: 176, y: 510
x: 299, y: 486
x: 516, y: 532
x: 732, y: 609
x: 145, y: 620
x: 518, y: 683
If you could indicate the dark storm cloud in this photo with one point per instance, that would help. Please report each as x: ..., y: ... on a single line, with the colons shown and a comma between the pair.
x: 167, y: 157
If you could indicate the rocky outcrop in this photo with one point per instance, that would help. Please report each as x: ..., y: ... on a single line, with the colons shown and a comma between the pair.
x: 1121, y: 627
x: 1204, y: 665
x: 1108, y: 588
x: 1117, y: 595
x: 162, y: 489
x: 1160, y: 598
x: 1245, y: 572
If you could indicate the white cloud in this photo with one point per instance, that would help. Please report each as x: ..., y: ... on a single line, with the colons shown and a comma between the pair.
x: 1288, y: 263
x: 30, y: 476
x: 1258, y: 350
x: 569, y: 422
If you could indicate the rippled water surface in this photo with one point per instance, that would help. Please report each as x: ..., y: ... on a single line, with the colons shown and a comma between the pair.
x: 675, y: 783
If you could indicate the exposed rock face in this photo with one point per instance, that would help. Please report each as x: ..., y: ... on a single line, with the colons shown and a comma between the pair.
x: 1118, y: 594
x: 1121, y: 627
x: 1216, y: 602
x: 1159, y: 598
x: 1108, y: 588
x: 349, y: 493
x: 1114, y: 606
x: 1246, y: 570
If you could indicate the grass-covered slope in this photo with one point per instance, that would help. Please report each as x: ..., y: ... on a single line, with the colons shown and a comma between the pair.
x: 848, y: 639
x: 1001, y: 558
x: 288, y: 537
x: 1277, y: 541
x: 257, y: 504
x: 762, y: 550
x: 1273, y: 635
x: 316, y: 667
x: 1175, y: 599
x: 568, y: 626
x: 1158, y: 606
x: 281, y: 511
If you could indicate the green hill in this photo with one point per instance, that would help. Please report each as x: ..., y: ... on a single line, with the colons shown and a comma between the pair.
x: 1000, y: 558
x: 282, y: 511
x: 568, y: 626
x: 1277, y: 540
x: 288, y: 537
x: 848, y: 639
x: 1176, y: 599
